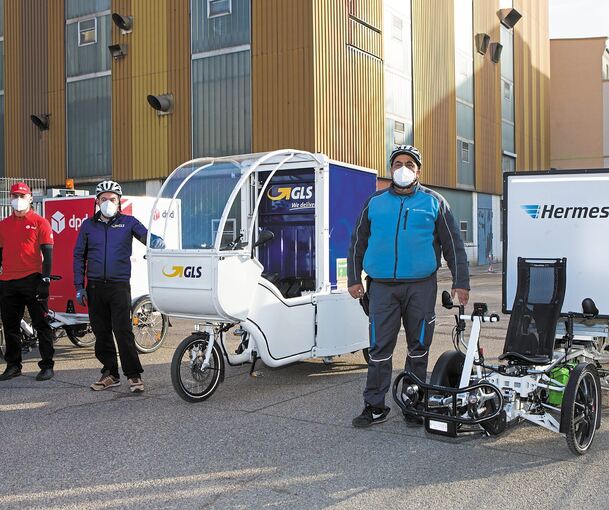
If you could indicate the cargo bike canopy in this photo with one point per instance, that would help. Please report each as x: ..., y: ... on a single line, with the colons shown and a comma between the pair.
x: 210, y: 268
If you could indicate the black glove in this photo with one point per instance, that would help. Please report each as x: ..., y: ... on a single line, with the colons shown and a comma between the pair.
x: 42, y: 290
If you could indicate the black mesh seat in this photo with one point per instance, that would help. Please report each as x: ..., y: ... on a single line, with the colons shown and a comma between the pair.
x: 539, y: 297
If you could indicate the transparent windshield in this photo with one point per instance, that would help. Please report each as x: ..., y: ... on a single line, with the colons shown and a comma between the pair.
x: 200, y: 191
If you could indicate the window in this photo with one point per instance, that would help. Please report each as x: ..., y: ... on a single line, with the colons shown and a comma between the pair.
x: 397, y: 28
x: 465, y: 152
x: 463, y: 230
x: 229, y: 234
x: 87, y: 32
x: 399, y: 133
x: 507, y: 90
x: 218, y: 8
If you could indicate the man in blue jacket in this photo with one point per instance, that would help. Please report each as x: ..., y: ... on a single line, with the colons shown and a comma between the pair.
x: 103, y: 248
x: 398, y: 241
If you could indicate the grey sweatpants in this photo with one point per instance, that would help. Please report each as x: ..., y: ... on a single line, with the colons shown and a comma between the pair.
x: 392, y: 304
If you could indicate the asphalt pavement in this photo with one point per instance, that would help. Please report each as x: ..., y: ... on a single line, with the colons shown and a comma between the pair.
x: 282, y: 439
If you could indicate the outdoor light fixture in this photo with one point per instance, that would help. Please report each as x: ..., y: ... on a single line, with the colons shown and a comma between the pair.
x: 495, y: 49
x: 118, y: 50
x: 125, y: 23
x: 482, y: 41
x: 163, y: 104
x: 41, y: 121
x: 508, y: 17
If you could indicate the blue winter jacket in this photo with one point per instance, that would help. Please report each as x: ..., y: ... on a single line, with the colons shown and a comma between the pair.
x: 400, y: 238
x: 104, y: 249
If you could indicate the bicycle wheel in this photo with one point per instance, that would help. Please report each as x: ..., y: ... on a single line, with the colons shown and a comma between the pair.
x: 81, y: 335
x: 149, y: 325
x: 190, y: 380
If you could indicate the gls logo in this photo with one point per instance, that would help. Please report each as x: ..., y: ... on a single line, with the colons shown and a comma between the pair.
x: 550, y: 211
x: 58, y: 222
x: 184, y: 272
x: 295, y: 193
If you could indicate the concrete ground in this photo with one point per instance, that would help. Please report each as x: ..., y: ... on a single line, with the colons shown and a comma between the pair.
x: 280, y: 440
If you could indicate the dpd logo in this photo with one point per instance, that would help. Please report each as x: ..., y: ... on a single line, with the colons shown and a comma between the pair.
x: 58, y: 222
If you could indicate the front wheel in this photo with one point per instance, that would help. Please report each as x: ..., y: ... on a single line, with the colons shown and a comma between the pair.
x: 191, y: 381
x: 581, y: 407
x: 149, y: 325
x: 80, y: 335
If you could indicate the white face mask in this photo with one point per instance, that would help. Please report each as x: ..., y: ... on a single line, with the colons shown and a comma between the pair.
x: 108, y: 208
x: 20, y: 204
x: 404, y: 176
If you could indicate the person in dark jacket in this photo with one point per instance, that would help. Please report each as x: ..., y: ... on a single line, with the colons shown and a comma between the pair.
x: 398, y: 241
x: 103, y: 248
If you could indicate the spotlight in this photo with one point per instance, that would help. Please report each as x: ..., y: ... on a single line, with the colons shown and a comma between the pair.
x: 482, y: 42
x: 163, y: 104
x: 118, y: 50
x: 508, y: 17
x: 495, y: 49
x: 125, y: 23
x: 41, y: 121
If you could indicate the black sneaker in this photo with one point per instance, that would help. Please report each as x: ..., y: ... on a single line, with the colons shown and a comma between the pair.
x: 370, y: 416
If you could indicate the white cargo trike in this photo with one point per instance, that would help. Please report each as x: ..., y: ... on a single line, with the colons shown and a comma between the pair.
x: 261, y: 251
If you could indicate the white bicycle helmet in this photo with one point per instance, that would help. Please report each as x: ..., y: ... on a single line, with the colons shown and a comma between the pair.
x: 112, y: 186
x: 411, y: 151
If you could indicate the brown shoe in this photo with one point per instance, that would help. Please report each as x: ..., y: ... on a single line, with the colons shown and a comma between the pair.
x: 136, y: 385
x: 106, y: 381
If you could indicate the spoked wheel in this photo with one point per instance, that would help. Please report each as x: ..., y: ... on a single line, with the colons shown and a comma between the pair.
x: 80, y: 335
x: 190, y: 379
x: 149, y: 325
x: 581, y: 405
x: 2, y: 342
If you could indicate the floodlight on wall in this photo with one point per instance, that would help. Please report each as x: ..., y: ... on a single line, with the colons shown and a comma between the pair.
x: 482, y: 42
x: 495, y: 49
x: 163, y: 103
x: 508, y: 17
x: 125, y: 23
x: 118, y: 50
x: 41, y: 121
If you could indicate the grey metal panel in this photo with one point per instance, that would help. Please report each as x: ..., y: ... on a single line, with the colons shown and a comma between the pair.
x: 76, y: 8
x: 222, y: 105
x: 1, y: 18
x: 1, y: 65
x: 89, y: 127
x: 461, y: 204
x: 465, y: 169
x: 222, y: 31
x: 507, y: 136
x: 465, y: 121
x: 92, y: 58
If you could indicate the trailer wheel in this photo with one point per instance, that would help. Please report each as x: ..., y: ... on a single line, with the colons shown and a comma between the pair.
x: 190, y: 380
x: 366, y: 353
x: 579, y: 417
x: 149, y: 325
x: 81, y: 335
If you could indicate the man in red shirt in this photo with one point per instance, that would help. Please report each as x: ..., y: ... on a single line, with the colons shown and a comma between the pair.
x: 26, y: 252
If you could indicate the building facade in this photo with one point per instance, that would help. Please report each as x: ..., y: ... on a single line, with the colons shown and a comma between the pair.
x: 579, y: 103
x: 466, y: 81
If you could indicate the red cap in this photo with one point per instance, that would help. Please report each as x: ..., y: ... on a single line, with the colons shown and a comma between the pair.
x: 21, y: 187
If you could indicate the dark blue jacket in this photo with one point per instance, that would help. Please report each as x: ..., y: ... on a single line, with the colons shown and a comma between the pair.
x: 104, y: 249
x: 401, y: 238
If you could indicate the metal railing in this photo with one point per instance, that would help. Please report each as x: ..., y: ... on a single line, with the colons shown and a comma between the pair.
x: 38, y: 187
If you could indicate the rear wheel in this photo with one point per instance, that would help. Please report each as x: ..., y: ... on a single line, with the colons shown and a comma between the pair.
x: 191, y: 381
x: 80, y: 335
x: 581, y: 407
x: 149, y: 325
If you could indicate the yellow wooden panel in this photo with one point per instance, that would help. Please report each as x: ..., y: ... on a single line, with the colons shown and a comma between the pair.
x: 433, y: 63
x: 532, y: 82
x: 349, y: 102
x: 282, y: 75
x: 487, y: 105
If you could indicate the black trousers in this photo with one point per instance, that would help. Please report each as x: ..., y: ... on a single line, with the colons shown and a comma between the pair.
x: 391, y: 305
x: 15, y: 295
x: 110, y: 312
